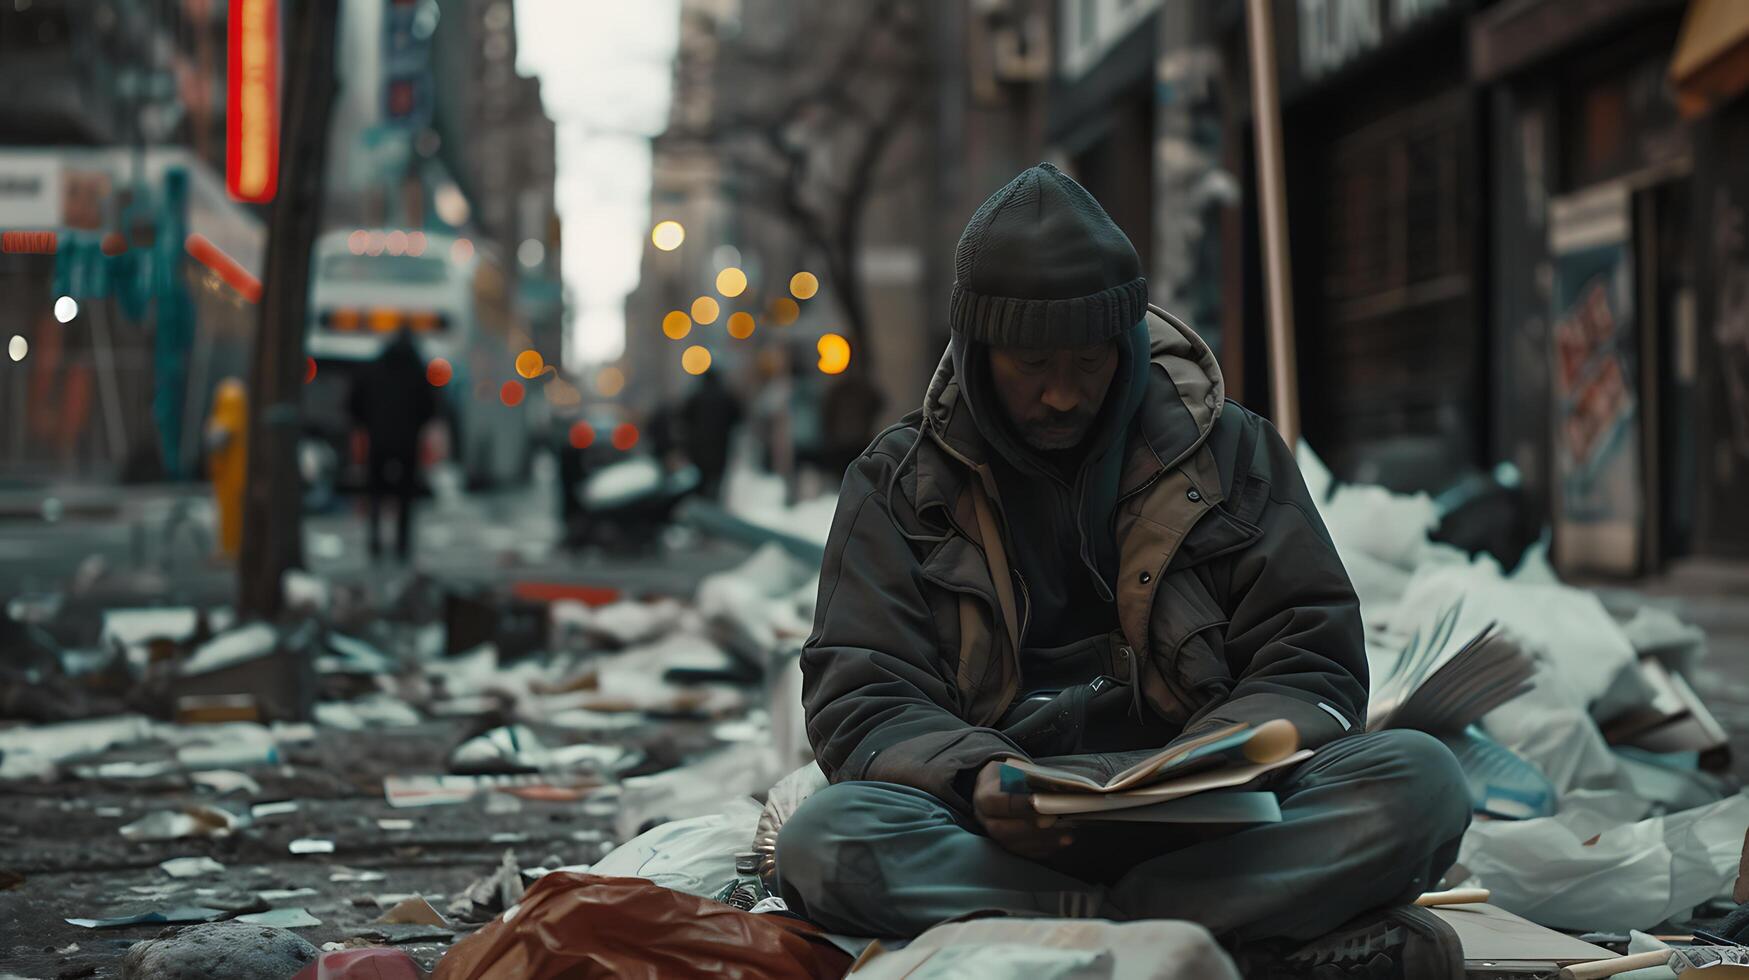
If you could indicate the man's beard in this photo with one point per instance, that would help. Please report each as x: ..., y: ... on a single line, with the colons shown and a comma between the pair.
x: 1057, y: 432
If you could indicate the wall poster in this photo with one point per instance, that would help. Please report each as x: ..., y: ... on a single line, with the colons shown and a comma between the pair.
x: 1598, y: 506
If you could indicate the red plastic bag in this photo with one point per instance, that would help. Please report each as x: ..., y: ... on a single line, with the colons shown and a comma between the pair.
x: 572, y: 926
x: 363, y: 964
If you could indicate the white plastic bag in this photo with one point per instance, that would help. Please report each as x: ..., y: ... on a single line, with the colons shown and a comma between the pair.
x: 1577, y: 870
x: 695, y: 855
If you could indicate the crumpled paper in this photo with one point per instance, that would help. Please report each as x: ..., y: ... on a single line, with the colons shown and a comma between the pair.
x: 1583, y: 869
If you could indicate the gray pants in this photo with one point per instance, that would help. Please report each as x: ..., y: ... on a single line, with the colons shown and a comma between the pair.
x: 1370, y: 820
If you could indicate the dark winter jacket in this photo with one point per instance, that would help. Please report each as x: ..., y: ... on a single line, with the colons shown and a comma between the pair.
x: 1231, y: 600
x: 392, y: 400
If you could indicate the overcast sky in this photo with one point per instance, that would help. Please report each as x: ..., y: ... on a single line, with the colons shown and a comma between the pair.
x: 605, y: 71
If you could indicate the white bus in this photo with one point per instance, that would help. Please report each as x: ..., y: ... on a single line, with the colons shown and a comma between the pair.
x: 366, y: 285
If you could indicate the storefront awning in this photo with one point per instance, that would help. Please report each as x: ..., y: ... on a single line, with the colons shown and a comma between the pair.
x: 1711, y: 65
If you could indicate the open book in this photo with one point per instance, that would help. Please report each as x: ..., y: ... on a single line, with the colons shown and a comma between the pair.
x: 1226, y: 758
x: 1441, y: 683
x: 1675, y: 720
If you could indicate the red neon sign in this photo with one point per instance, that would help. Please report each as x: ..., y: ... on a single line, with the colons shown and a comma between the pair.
x: 252, y: 101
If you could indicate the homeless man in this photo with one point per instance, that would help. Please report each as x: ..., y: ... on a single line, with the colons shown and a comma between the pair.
x: 1077, y: 513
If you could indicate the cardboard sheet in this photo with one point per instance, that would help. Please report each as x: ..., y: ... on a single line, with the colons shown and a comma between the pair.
x: 1490, y: 933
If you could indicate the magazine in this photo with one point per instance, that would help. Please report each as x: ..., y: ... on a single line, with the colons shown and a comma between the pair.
x: 1098, y: 785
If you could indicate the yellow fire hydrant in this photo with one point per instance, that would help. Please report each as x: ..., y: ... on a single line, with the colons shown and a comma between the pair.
x: 227, y: 444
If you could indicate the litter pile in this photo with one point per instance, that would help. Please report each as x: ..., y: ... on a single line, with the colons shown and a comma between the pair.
x: 549, y: 761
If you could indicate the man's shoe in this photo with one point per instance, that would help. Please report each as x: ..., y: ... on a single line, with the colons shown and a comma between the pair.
x: 1403, y: 943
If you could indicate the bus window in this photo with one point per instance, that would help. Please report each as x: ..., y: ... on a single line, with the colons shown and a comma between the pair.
x: 383, y: 268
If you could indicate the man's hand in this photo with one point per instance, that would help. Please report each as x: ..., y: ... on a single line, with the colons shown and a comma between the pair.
x: 1011, y: 821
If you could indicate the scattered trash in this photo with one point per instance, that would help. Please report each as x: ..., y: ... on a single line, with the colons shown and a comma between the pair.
x: 226, y: 746
x: 277, y: 670
x: 394, y: 824
x: 491, y: 894
x: 412, y: 933
x: 191, y: 867
x: 413, y: 911
x: 311, y: 845
x: 378, y: 711
x: 225, y: 781
x: 517, y: 749
x: 695, y: 855
x: 175, y: 916
x: 1007, y: 947
x: 273, y: 809
x: 284, y: 897
x: 1580, y: 869
x: 572, y: 924
x: 288, y: 918
x: 344, y: 874
x: 403, y: 792
x: 192, y: 821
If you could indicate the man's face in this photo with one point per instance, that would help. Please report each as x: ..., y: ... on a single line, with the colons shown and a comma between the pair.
x: 1053, y: 396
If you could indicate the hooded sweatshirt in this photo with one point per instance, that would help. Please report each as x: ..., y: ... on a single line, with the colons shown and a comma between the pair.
x: 1059, y: 505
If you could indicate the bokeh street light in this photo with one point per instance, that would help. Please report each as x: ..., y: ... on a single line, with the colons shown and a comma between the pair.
x: 834, y: 353
x: 667, y: 235
x: 731, y: 282
x: 705, y: 310
x: 529, y: 364
x: 676, y: 325
x: 803, y: 285
x: 695, y: 360
x: 741, y: 325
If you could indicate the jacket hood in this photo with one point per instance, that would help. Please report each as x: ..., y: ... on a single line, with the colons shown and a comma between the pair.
x: 1178, y: 407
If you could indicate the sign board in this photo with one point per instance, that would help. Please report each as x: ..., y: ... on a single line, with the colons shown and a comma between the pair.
x: 1596, y: 439
x: 407, y: 28
x: 1317, y: 39
x: 30, y: 191
x: 252, y: 101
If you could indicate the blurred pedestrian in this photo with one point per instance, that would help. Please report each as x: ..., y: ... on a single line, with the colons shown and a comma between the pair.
x: 392, y: 402
x: 227, y: 454
x: 708, y: 419
x: 849, y: 413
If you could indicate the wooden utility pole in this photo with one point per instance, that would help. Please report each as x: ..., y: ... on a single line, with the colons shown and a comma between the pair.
x: 1284, y: 383
x: 272, y: 501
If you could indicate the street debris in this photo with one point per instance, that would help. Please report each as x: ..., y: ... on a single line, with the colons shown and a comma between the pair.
x: 287, y: 918
x: 191, y: 867
x: 413, y: 910
x: 570, y: 923
x: 648, y: 749
x: 195, y: 820
x: 174, y: 916
x: 490, y: 895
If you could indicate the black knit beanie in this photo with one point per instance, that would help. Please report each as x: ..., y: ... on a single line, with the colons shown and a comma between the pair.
x: 1042, y: 265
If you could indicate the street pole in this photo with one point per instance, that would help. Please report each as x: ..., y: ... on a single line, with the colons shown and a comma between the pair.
x: 272, y: 499
x: 1284, y: 382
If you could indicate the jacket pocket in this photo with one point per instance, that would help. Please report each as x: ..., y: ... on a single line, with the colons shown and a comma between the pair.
x: 1188, y: 632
